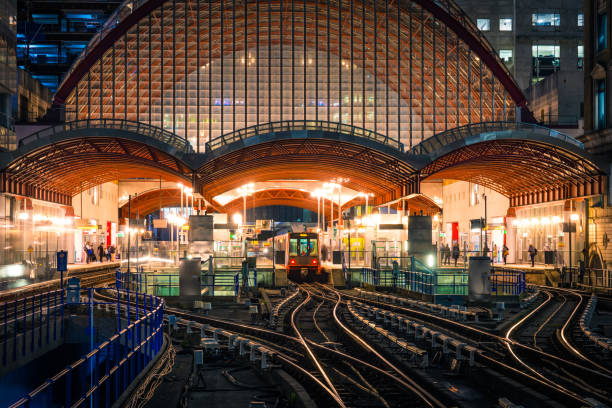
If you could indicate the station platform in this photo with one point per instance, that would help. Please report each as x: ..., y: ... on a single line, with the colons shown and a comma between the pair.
x: 78, y: 269
x: 537, y: 274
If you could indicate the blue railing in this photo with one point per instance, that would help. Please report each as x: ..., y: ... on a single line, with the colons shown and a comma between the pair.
x: 444, y: 282
x: 507, y: 282
x: 101, y: 376
x: 44, y: 311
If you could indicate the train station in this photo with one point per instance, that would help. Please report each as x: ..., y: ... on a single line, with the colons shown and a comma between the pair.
x: 305, y: 204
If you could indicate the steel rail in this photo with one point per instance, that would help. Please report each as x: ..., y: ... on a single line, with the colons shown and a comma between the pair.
x: 510, y: 342
x: 309, y: 352
x: 87, y: 278
x: 482, y: 334
x: 548, y: 319
x: 494, y: 363
x: 425, y: 396
x: 264, y: 333
x: 564, y: 337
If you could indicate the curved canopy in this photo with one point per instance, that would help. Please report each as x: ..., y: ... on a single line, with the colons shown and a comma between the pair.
x: 200, y: 69
x: 363, y: 167
x: 70, y: 162
x: 510, y: 158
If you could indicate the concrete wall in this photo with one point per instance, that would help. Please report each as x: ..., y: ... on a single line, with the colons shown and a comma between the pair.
x: 29, y: 356
x: 457, y: 206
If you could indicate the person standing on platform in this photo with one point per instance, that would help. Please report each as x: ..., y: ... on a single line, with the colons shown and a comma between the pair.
x: 101, y: 253
x: 494, y: 253
x: 456, y: 253
x: 505, y: 252
x: 532, y: 254
x: 447, y: 254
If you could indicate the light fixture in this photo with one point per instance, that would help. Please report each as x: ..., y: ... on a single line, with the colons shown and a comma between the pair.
x: 237, y: 218
x: 574, y: 217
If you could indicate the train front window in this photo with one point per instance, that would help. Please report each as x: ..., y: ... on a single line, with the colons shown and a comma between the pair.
x: 312, y: 247
x: 303, y: 246
x: 293, y: 247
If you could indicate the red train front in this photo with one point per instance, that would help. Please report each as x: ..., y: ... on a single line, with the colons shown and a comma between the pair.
x: 299, y: 252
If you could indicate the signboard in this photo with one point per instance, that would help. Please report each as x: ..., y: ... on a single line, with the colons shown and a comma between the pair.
x: 201, y: 228
x: 569, y: 227
x: 109, y: 229
x: 62, y: 261
x: 73, y: 291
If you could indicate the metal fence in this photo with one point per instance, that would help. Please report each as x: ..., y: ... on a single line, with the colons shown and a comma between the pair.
x: 507, y: 282
x: 443, y: 282
x: 101, y: 376
x: 21, y: 317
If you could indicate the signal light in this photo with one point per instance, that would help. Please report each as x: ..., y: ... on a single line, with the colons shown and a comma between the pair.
x: 314, y: 261
x: 292, y: 262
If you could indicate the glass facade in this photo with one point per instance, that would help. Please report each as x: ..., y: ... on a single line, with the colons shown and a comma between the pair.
x: 203, y: 69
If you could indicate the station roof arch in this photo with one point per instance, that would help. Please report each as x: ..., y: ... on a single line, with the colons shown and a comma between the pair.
x: 382, y: 66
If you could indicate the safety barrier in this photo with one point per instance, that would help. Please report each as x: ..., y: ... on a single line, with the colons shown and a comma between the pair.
x: 428, y: 283
x: 507, y: 282
x: 44, y: 311
x: 101, y: 376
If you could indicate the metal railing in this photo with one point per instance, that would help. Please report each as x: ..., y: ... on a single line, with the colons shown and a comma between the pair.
x: 144, y: 129
x: 290, y: 125
x: 106, y: 372
x: 442, y: 282
x: 21, y: 318
x: 440, y: 140
x: 507, y: 282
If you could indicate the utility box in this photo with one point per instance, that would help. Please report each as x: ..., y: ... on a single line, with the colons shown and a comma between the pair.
x: 73, y: 291
x: 201, y: 228
x: 479, y: 286
x: 189, y: 277
x: 419, y: 236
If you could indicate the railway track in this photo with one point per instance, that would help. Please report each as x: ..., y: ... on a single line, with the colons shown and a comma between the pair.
x: 354, y: 385
x: 88, y: 279
x: 368, y: 373
x: 506, y: 354
x: 285, y: 347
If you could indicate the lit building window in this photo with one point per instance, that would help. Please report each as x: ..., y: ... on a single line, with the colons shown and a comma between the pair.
x: 600, y: 104
x: 602, y: 31
x: 505, y: 24
x: 484, y: 24
x: 506, y: 56
x: 545, y: 19
x: 580, y: 53
x: 580, y: 22
x: 545, y: 59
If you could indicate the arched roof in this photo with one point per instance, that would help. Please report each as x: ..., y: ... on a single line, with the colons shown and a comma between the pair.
x: 511, y: 158
x: 407, y: 69
x: 75, y: 156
